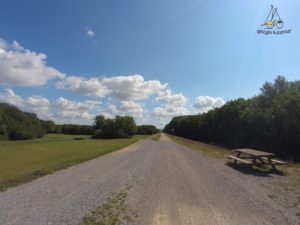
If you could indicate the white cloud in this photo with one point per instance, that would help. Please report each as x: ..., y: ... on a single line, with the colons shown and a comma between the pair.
x: 170, y: 105
x: 92, y: 86
x: 3, y: 44
x: 37, y: 101
x: 131, y: 107
x: 90, y: 32
x: 65, y: 104
x: 167, y: 98
x: 169, y: 111
x: 66, y: 114
x: 132, y: 87
x: 75, y: 117
x: 112, y: 109
x: 206, y: 103
x: 125, y: 88
x: 67, y: 111
x: 38, y: 105
x: 10, y: 97
x: 22, y: 67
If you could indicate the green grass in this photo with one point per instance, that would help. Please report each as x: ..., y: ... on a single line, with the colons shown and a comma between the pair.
x: 209, y: 150
x: 155, y: 137
x: 288, y: 187
x: 114, y: 211
x: 23, y: 161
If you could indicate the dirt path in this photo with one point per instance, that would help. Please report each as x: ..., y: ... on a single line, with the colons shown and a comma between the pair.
x: 171, y: 185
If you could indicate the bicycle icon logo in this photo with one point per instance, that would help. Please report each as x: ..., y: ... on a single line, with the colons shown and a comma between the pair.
x: 273, y: 19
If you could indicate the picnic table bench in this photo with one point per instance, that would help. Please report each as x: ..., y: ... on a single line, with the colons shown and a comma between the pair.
x: 255, y: 157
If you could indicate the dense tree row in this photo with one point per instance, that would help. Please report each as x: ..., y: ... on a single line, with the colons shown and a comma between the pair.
x: 119, y: 127
x: 18, y: 125
x: 147, y: 129
x: 269, y: 121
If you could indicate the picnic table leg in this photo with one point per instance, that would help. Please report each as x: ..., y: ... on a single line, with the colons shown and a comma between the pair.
x: 272, y: 164
x: 238, y: 155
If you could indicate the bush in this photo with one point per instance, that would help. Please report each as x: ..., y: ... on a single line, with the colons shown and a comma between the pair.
x: 119, y: 127
x: 18, y: 125
x: 19, y: 135
x: 147, y: 129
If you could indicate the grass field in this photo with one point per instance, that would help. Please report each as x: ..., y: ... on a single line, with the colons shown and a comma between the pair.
x: 23, y: 161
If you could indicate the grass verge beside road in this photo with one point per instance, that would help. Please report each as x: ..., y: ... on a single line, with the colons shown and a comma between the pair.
x: 155, y: 137
x: 209, y: 150
x: 23, y: 161
x: 287, y: 188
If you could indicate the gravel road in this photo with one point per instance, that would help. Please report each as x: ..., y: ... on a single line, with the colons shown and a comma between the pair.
x: 170, y: 185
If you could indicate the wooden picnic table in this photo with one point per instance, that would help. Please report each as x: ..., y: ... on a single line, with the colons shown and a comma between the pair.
x: 255, y: 157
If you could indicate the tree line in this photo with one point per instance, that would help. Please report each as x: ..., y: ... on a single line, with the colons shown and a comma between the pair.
x: 269, y: 121
x: 18, y: 125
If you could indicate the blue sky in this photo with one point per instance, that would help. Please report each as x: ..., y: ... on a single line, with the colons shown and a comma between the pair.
x: 115, y: 57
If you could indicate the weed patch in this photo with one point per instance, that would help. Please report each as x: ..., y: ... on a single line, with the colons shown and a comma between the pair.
x: 209, y: 150
x: 114, y: 211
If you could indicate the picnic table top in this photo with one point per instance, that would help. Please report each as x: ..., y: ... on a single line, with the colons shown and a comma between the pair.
x: 254, y: 152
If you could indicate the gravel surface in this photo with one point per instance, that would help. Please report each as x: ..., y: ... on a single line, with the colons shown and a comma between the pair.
x: 170, y: 185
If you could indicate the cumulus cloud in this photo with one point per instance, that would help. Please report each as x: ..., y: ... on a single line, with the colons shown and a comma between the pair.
x: 125, y: 88
x: 37, y: 101
x: 132, y: 87
x: 38, y: 105
x: 67, y: 111
x: 112, y: 109
x: 167, y: 98
x: 10, y: 97
x: 206, y: 103
x: 75, y: 117
x: 65, y: 104
x: 3, y: 44
x: 89, y: 32
x: 80, y: 85
x: 131, y: 107
x: 170, y: 105
x: 169, y: 111
x: 22, y: 67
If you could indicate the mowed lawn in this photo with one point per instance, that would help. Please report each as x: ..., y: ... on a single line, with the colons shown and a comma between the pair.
x: 23, y: 161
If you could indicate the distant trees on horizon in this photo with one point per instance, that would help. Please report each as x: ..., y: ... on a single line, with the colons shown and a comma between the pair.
x: 18, y: 125
x: 147, y: 129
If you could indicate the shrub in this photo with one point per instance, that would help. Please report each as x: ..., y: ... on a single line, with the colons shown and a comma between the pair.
x: 119, y: 127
